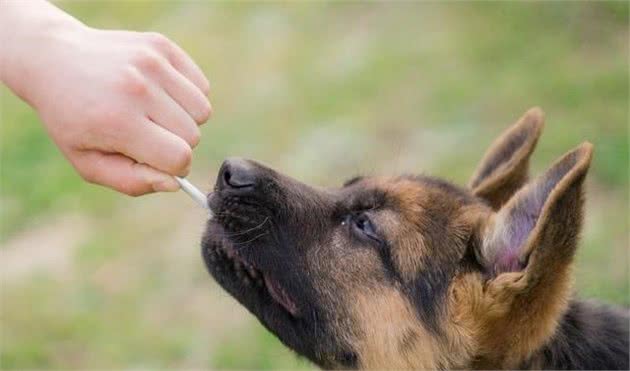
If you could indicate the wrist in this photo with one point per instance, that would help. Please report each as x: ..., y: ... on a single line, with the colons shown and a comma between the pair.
x: 30, y: 31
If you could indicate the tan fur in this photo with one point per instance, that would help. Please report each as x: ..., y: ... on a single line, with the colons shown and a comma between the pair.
x: 416, y: 205
x: 497, y: 324
x: 512, y: 315
x: 490, y: 324
x: 385, y: 318
x: 414, y: 272
x: 410, y: 246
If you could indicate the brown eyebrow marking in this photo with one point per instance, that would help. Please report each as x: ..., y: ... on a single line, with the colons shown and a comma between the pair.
x: 432, y: 237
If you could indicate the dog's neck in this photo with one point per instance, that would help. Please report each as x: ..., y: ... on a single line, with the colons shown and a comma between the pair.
x: 589, y: 336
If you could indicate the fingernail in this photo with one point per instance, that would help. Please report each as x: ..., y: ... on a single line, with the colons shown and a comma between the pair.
x: 160, y: 182
x: 168, y: 184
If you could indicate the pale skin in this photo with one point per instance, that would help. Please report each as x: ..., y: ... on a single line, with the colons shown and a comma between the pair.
x: 123, y: 107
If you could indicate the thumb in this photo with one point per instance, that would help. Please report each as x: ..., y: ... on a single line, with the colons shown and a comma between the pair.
x: 123, y: 174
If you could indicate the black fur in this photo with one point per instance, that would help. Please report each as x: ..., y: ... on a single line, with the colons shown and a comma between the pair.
x: 285, y: 230
x: 590, y: 336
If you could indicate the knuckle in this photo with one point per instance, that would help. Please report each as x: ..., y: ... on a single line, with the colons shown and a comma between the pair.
x: 148, y: 60
x: 88, y: 174
x: 182, y: 157
x: 195, y: 137
x: 133, y: 82
x: 204, y: 112
x: 159, y: 41
x: 133, y: 192
x: 131, y: 189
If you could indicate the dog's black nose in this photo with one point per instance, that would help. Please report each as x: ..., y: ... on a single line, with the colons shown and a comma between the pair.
x: 237, y: 174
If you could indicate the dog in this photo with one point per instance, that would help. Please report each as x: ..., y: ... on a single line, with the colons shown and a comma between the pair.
x: 415, y: 272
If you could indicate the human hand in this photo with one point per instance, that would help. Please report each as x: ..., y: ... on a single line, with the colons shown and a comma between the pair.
x: 123, y: 107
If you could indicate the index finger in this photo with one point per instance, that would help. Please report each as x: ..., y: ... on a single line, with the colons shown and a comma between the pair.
x: 182, y: 62
x: 147, y: 142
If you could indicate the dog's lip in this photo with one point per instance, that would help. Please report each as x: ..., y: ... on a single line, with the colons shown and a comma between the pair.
x: 273, y: 287
x: 212, y: 200
x: 279, y: 294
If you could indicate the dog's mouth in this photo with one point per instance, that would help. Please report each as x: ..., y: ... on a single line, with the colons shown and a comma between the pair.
x: 228, y: 264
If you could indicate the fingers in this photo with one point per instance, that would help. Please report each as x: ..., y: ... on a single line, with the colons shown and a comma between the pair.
x: 185, y: 93
x: 151, y: 144
x: 185, y: 65
x: 175, y: 101
x: 167, y: 113
x: 180, y: 60
x: 122, y: 174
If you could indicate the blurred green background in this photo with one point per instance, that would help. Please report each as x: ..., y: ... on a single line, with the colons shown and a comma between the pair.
x: 320, y: 91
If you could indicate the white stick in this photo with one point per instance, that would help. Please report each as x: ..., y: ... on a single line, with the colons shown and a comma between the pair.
x: 194, y: 193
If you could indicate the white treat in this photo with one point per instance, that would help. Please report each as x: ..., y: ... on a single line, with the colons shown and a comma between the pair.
x: 194, y: 193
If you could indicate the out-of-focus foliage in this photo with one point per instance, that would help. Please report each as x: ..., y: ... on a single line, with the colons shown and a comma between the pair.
x: 321, y: 91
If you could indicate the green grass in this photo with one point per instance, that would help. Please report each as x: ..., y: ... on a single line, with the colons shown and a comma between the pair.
x: 321, y: 91
x: 262, y: 352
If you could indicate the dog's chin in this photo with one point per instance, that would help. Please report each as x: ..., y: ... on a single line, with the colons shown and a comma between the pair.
x: 253, y: 287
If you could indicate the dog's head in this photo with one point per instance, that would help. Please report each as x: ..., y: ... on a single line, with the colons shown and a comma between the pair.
x: 406, y: 271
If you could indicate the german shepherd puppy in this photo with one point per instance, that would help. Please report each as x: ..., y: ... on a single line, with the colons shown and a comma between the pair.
x: 414, y: 272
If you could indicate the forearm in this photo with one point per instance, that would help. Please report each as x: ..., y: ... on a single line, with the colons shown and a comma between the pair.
x: 27, y: 26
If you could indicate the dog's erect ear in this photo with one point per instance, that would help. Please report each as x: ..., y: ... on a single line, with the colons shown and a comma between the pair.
x: 504, y: 167
x: 536, y: 231
x: 525, y: 250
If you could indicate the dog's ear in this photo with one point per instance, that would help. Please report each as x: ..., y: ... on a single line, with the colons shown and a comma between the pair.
x: 525, y: 251
x: 536, y: 231
x: 504, y: 168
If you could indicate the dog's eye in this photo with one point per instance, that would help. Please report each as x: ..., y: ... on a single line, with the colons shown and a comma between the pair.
x: 361, y: 224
